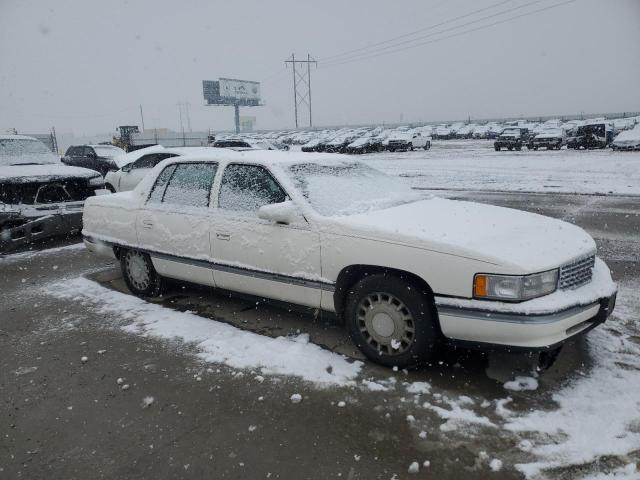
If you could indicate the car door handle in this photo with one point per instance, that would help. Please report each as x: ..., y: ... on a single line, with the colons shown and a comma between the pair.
x: 223, y: 236
x: 147, y: 223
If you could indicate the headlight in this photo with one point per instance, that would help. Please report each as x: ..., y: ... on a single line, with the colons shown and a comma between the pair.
x: 513, y: 287
x: 96, y: 182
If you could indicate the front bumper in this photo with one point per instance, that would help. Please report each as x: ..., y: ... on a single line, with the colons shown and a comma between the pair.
x: 522, y: 331
x: 39, y: 223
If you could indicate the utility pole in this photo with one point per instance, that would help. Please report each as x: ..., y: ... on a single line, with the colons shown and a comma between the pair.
x: 141, y: 117
x: 181, y: 124
x: 187, y: 106
x: 301, y: 84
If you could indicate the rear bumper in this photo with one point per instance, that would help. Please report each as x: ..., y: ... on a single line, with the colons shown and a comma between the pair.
x: 98, y: 247
x: 521, y: 331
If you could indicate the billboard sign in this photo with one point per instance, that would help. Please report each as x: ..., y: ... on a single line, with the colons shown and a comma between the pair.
x: 229, y: 91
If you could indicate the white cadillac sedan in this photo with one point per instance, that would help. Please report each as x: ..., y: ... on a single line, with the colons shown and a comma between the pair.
x: 404, y: 271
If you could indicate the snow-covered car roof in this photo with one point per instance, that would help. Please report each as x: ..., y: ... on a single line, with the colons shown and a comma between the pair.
x: 262, y: 157
x: 550, y: 132
x: 127, y: 158
x: 131, y: 157
x: 17, y: 137
x: 630, y: 136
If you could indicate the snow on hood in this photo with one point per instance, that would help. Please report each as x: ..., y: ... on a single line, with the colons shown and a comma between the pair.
x: 521, y: 241
x: 30, y: 173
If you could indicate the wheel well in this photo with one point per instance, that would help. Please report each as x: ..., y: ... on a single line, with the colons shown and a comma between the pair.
x: 117, y: 251
x: 352, y: 274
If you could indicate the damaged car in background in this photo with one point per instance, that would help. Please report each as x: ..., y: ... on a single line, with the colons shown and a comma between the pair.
x: 39, y: 196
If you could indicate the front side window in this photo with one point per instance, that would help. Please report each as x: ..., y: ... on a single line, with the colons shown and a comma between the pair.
x: 246, y: 188
x: 190, y: 184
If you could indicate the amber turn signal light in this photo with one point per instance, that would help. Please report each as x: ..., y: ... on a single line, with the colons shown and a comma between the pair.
x: 480, y: 284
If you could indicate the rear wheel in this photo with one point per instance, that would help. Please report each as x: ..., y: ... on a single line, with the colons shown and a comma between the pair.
x: 392, y: 321
x: 139, y: 274
x: 497, y: 148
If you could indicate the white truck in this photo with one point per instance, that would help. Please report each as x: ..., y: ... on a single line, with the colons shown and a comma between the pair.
x: 403, y: 141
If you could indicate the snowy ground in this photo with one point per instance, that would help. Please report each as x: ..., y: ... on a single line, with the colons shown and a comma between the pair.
x: 475, y: 165
x: 200, y: 384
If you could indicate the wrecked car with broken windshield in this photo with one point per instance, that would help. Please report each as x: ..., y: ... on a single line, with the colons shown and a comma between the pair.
x: 39, y: 196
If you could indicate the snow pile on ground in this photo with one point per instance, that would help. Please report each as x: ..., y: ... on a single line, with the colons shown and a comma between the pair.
x: 457, y: 416
x: 474, y: 165
x: 521, y: 383
x: 21, y: 256
x: 216, y: 342
x: 598, y: 414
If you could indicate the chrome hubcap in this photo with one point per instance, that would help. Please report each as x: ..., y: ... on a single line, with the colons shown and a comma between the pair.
x: 137, y: 270
x: 386, y: 323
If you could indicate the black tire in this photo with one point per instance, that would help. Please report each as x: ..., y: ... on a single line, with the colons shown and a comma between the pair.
x: 519, y: 147
x: 144, y: 283
x: 398, y: 296
x: 427, y: 146
x: 109, y: 187
x: 497, y: 148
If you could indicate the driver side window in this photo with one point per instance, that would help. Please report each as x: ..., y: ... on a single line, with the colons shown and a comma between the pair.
x: 246, y: 188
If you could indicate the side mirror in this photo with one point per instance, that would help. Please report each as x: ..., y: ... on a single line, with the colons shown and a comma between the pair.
x: 126, y: 168
x: 285, y: 212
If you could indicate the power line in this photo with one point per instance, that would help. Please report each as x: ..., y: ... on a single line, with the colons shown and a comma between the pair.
x: 424, y: 29
x: 457, y: 34
x: 455, y: 27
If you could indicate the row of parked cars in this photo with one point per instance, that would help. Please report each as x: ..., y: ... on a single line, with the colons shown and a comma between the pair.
x: 619, y: 134
x: 588, y: 136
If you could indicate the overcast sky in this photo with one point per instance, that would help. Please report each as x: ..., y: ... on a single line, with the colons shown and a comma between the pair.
x: 84, y: 66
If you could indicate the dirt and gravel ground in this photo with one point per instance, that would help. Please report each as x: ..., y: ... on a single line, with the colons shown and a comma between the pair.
x: 184, y: 417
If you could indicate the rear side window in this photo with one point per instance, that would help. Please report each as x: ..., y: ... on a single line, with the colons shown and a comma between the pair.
x: 151, y: 160
x: 161, y: 183
x: 190, y: 184
x: 246, y: 188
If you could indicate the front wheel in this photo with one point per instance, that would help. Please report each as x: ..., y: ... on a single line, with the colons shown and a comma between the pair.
x: 392, y: 321
x: 140, y: 275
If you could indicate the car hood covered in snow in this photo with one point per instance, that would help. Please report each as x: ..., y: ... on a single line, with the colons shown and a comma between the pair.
x: 33, y: 173
x: 518, y: 241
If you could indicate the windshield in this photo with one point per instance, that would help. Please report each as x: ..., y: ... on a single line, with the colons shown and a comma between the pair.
x: 107, y: 151
x: 19, y: 151
x: 511, y: 132
x: 349, y: 188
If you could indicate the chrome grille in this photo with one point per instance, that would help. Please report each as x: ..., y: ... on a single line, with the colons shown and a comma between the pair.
x: 577, y: 273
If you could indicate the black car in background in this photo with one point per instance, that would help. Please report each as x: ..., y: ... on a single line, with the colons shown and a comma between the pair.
x: 514, y: 138
x: 95, y: 157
